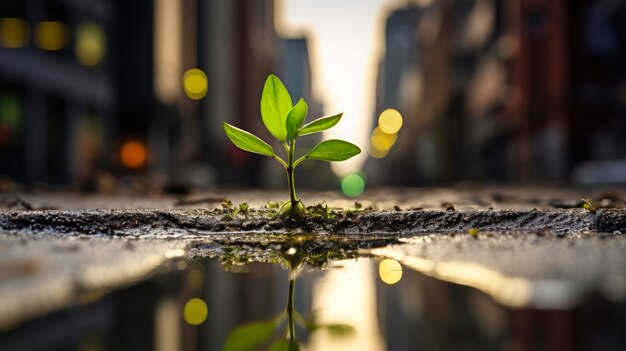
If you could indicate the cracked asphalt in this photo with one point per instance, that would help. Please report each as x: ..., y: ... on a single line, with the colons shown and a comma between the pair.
x: 533, y: 247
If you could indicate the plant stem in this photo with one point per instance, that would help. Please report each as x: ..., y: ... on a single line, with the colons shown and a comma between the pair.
x: 290, y: 311
x: 290, y: 176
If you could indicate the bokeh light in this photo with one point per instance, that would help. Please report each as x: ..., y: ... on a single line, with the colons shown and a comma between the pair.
x: 390, y: 271
x: 51, y: 35
x: 390, y: 121
x: 14, y: 32
x: 90, y: 44
x: 353, y: 185
x: 133, y: 154
x: 377, y: 153
x: 381, y: 143
x: 195, y: 311
x: 10, y: 118
x: 195, y: 83
x: 11, y: 111
x: 5, y: 134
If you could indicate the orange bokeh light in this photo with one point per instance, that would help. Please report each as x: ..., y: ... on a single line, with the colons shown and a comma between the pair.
x: 133, y: 154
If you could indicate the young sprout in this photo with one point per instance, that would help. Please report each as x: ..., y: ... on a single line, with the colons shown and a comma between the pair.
x: 588, y: 205
x: 286, y: 123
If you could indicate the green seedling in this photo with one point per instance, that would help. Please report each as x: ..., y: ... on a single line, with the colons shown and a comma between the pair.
x: 474, y: 232
x: 227, y: 204
x: 286, y: 123
x: 588, y: 205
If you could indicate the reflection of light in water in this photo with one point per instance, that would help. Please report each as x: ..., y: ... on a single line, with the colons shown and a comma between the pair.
x: 195, y: 311
x: 390, y: 271
x: 510, y: 291
x: 194, y: 280
x: 166, y: 325
x: 133, y: 154
x: 347, y: 295
x: 50, y: 35
x: 195, y: 83
x: 390, y: 121
x: 353, y: 185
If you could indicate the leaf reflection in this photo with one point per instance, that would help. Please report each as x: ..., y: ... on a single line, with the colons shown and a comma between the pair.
x: 249, y: 335
x: 252, y: 335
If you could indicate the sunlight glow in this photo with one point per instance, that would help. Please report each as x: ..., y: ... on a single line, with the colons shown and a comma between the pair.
x: 344, y: 56
x: 347, y: 295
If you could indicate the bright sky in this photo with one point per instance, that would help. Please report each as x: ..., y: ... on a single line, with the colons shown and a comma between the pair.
x: 345, y: 45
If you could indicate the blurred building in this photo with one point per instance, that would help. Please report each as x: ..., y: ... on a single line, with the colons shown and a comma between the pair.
x: 139, y: 88
x: 56, y: 88
x: 295, y: 70
x: 500, y: 90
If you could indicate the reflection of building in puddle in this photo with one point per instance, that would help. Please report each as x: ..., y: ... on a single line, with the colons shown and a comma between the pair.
x: 347, y: 295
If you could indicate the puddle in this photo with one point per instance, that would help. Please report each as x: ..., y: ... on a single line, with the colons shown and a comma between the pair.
x: 356, y: 304
x: 256, y: 292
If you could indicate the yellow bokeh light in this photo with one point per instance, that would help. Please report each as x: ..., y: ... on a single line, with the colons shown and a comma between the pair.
x: 391, y: 138
x: 133, y: 154
x: 376, y: 153
x: 13, y: 32
x: 195, y: 83
x: 390, y: 271
x: 195, y: 311
x: 390, y: 121
x: 50, y: 35
x: 90, y: 44
x: 381, y: 143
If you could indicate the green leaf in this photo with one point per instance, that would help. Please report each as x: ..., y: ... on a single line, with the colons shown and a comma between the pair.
x: 337, y: 329
x: 248, y: 141
x: 249, y: 336
x: 275, y: 105
x: 320, y: 124
x: 295, y: 118
x: 279, y: 345
x: 333, y: 150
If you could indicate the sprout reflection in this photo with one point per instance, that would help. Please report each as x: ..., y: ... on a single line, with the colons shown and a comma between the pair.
x: 249, y: 336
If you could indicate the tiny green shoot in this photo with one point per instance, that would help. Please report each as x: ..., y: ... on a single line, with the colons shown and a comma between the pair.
x: 286, y: 123
x: 474, y: 232
x: 588, y: 205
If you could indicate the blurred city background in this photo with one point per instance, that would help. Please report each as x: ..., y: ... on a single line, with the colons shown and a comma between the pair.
x: 107, y: 95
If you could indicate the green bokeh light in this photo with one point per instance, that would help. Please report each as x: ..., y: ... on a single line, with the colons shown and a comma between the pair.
x: 353, y: 185
x: 10, y: 111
